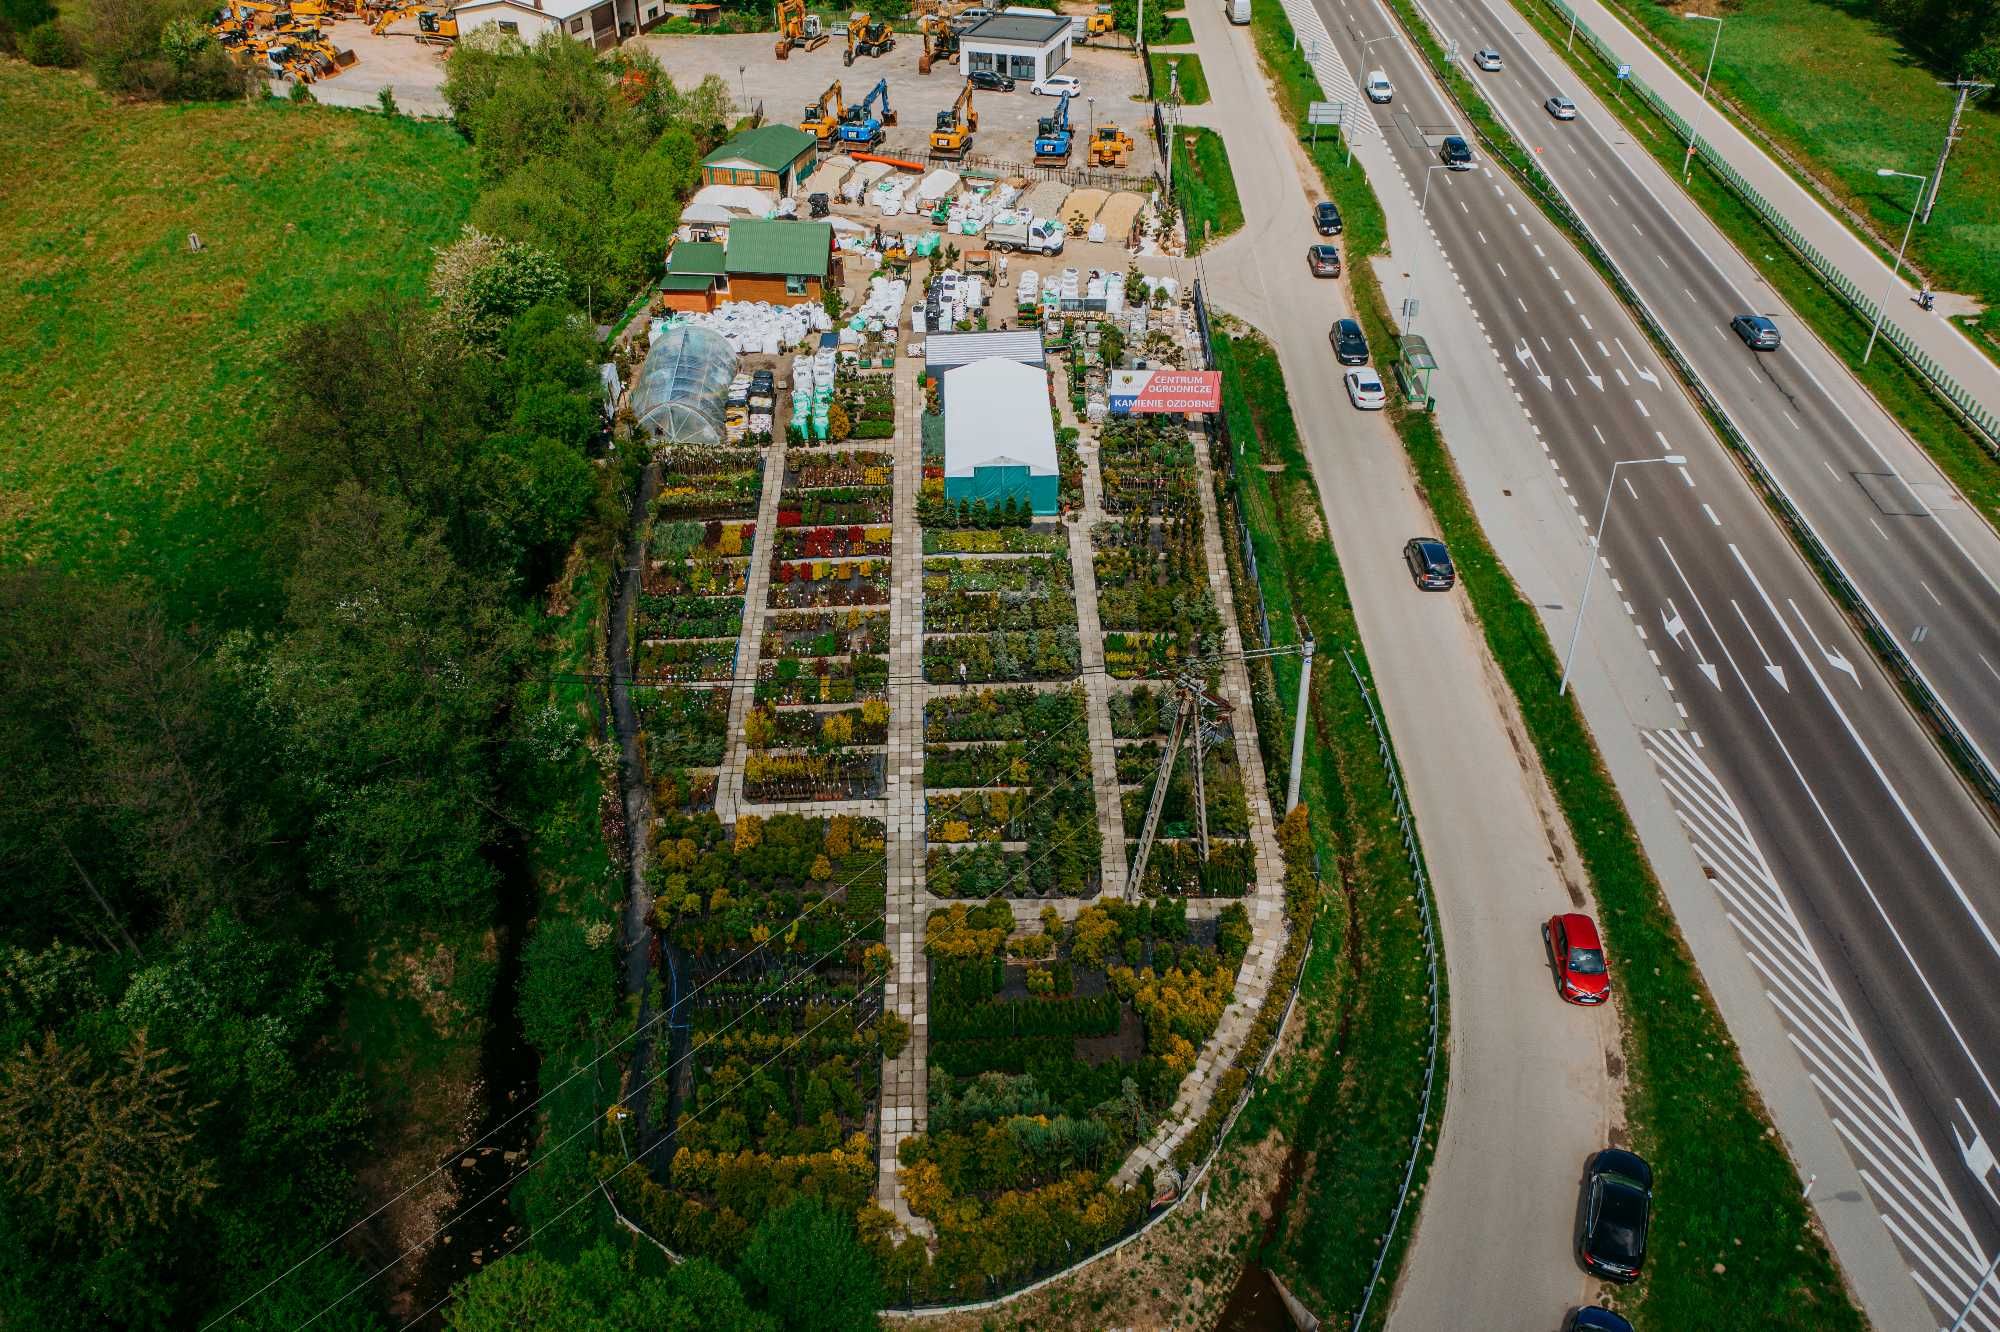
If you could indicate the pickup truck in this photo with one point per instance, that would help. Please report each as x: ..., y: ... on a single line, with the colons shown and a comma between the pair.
x: 1036, y: 236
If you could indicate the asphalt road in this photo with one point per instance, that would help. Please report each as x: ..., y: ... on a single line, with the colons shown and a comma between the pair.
x: 1530, y: 1091
x: 1864, y: 881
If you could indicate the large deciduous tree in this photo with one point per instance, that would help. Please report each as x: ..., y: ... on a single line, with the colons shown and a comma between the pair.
x: 810, y: 1271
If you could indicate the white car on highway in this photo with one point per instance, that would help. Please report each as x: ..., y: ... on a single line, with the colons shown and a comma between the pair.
x: 1364, y: 389
x: 1486, y: 58
x: 1561, y: 107
x: 1055, y: 85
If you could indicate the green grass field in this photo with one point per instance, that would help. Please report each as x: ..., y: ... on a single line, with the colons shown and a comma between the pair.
x: 1205, y: 188
x: 1178, y: 33
x: 1843, y: 95
x: 132, y: 371
x: 1193, y: 87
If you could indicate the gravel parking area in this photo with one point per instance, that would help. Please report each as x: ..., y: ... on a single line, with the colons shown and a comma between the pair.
x: 746, y: 63
x: 412, y: 70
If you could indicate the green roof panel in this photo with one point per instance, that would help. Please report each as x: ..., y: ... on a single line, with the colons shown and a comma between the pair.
x: 790, y: 248
x: 704, y: 257
x: 773, y: 147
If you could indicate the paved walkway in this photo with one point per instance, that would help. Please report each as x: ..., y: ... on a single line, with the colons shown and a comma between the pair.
x: 905, y: 1079
x: 1863, y: 261
x: 1266, y: 900
x: 1529, y: 1092
x: 750, y: 640
x: 1096, y: 684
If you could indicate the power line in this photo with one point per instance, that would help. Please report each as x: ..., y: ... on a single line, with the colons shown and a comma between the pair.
x: 638, y: 1030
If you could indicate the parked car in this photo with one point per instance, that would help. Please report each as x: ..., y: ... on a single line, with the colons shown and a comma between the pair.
x: 1561, y: 107
x: 1578, y: 956
x: 1590, y: 1318
x: 1430, y: 564
x: 1323, y: 260
x: 1055, y: 85
x: 1378, y: 88
x: 985, y: 80
x: 1617, y: 1204
x: 1757, y: 332
x: 1455, y: 153
x: 1326, y: 218
x: 1364, y: 390
x: 1486, y: 58
x: 1350, y: 344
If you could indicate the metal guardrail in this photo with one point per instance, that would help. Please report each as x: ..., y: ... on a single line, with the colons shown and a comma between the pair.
x: 1426, y: 912
x: 1983, y: 423
x: 1873, y: 628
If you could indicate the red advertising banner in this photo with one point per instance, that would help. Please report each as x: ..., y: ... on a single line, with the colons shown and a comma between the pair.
x: 1142, y: 392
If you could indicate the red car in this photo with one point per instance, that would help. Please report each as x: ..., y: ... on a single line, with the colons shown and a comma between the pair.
x: 1581, y: 976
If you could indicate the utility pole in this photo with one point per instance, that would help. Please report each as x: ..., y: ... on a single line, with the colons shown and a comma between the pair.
x: 1299, y: 729
x: 1966, y: 88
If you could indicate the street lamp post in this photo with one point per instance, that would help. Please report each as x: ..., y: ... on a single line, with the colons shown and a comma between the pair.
x: 1423, y: 203
x: 1687, y: 163
x: 1895, y: 273
x: 1590, y: 574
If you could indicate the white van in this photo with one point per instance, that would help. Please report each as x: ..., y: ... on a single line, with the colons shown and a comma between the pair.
x: 1377, y: 87
x: 1237, y: 10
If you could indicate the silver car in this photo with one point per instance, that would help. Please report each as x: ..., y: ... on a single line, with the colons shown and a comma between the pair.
x: 1486, y: 58
x: 1561, y: 107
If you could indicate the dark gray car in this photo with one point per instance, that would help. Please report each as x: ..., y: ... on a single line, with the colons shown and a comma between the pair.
x: 1757, y: 332
x: 1430, y: 564
x: 1350, y: 344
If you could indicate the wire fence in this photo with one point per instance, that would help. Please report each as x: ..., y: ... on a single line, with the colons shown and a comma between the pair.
x: 1984, y: 424
x: 1874, y: 629
x: 1420, y: 882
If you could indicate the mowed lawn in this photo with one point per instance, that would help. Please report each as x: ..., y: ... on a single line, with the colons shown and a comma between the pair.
x: 134, y: 374
x: 1842, y: 93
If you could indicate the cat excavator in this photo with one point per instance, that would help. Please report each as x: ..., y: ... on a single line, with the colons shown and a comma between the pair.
x: 953, y: 135
x: 940, y: 34
x: 867, y: 35
x: 822, y: 118
x: 798, y: 28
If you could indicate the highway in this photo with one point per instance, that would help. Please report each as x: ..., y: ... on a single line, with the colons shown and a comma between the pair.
x: 1863, y: 880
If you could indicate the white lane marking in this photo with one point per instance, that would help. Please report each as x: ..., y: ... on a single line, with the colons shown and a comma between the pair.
x: 1503, y: 271
x: 1788, y: 416
x: 1710, y: 511
x: 1628, y: 487
x: 1771, y: 668
x: 1621, y: 376
x: 1829, y: 469
x: 1595, y: 431
x: 1927, y: 587
x: 1690, y: 295
x: 1586, y: 321
x: 1636, y: 231
x: 1523, y: 304
x: 1847, y: 723
x: 1833, y: 656
x: 1513, y: 212
x: 1641, y: 406
x: 1463, y: 209
x: 1482, y: 235
x: 1990, y: 667
x: 1637, y: 369
x: 1686, y: 476
x: 1541, y: 255
x: 1524, y: 230
x: 1677, y: 629
x: 1878, y: 529
x: 1603, y: 350
x: 1566, y: 296
x: 1663, y: 262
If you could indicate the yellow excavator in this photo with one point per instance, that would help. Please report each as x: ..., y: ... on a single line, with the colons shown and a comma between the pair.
x: 798, y: 28
x: 940, y: 41
x: 822, y: 119
x: 435, y: 29
x: 953, y: 135
x: 867, y: 36
x: 1110, y: 147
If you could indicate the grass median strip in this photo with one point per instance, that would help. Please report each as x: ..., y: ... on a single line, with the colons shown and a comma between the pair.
x: 1205, y: 188
x: 1733, y: 1243
x: 1171, y: 65
x: 1901, y: 390
x: 1348, y: 1100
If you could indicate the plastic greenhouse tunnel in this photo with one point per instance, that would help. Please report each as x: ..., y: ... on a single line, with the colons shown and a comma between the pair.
x: 684, y: 385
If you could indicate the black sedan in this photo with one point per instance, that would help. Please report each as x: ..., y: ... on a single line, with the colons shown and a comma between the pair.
x: 1323, y: 260
x: 1350, y: 344
x: 1590, y: 1318
x: 987, y: 81
x: 1326, y: 218
x: 1617, y: 1202
x: 1430, y: 564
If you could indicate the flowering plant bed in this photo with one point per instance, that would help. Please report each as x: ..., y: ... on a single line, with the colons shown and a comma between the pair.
x: 965, y: 816
x: 709, y: 483
x: 840, y: 505
x: 813, y: 776
x: 768, y: 727
x: 848, y: 467
x: 999, y: 714
x: 1046, y: 654
x: 822, y: 680
x: 676, y: 659
x: 811, y: 583
x: 1130, y: 656
x: 1148, y: 466
x: 718, y: 893
x: 706, y: 577
x: 819, y: 543
x: 1175, y: 868
x: 685, y: 728
x: 687, y: 539
x: 825, y: 634
x: 1030, y: 573
x: 687, y: 616
x: 1040, y: 540
x: 985, y: 612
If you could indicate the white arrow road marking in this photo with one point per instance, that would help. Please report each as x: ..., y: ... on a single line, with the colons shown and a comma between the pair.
x: 1646, y: 375
x: 1771, y: 668
x: 1978, y: 1157
x: 1677, y: 630
x: 1596, y: 380
x: 1526, y: 356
